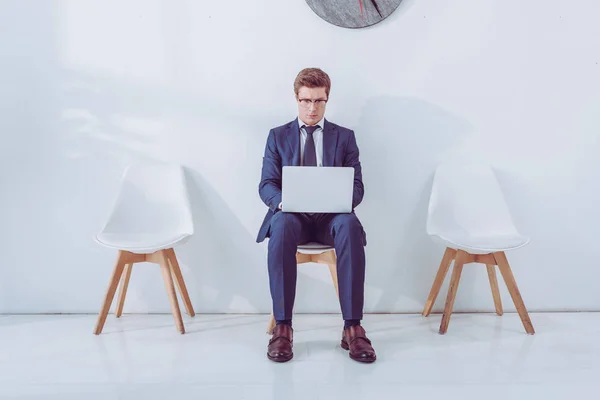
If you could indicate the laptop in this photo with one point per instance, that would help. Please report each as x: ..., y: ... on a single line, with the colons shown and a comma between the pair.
x: 317, y: 189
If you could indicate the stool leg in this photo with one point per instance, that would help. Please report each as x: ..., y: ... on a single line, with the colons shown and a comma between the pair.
x: 176, y: 271
x: 449, y: 255
x: 271, y: 325
x: 334, y: 278
x: 491, y: 269
x: 458, y: 266
x: 110, y: 292
x: 166, y: 273
x: 511, y: 284
x: 123, y: 289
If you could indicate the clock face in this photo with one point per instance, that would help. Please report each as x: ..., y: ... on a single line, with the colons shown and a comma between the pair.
x: 353, y: 13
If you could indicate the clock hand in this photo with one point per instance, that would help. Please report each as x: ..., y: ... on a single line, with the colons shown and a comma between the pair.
x: 377, y: 8
x: 362, y: 14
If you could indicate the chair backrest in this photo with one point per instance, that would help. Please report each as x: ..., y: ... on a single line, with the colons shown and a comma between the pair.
x: 153, y: 198
x: 467, y: 199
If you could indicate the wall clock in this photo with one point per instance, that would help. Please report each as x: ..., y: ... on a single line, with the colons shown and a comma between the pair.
x: 353, y: 13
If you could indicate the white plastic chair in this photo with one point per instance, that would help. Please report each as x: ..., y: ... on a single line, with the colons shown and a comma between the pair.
x: 151, y: 216
x: 468, y: 214
x: 317, y: 253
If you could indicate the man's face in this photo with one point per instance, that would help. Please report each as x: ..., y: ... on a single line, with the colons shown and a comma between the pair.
x: 311, y: 104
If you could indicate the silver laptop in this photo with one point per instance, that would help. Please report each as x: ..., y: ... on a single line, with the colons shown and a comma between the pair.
x: 317, y: 189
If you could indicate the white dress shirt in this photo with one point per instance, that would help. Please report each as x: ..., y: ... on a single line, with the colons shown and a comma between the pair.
x: 317, y: 137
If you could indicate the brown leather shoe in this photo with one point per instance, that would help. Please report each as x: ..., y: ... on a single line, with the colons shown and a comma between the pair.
x: 280, y: 345
x: 355, y: 339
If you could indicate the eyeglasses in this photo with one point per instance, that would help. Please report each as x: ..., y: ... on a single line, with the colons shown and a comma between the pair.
x: 306, y: 103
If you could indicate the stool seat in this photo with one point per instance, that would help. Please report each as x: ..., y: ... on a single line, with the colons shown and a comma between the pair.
x: 314, y: 248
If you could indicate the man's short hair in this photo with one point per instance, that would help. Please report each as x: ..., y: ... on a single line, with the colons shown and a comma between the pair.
x: 312, y: 78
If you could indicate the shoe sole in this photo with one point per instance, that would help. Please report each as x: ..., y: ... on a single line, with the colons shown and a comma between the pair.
x: 280, y: 360
x: 358, y: 359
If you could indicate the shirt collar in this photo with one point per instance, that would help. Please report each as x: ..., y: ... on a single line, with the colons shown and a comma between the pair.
x: 320, y: 123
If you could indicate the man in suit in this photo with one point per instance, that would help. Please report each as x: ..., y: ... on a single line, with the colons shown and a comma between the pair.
x: 311, y: 140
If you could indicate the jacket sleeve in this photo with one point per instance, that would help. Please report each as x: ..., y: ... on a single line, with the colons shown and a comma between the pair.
x: 351, y: 159
x: 269, y: 187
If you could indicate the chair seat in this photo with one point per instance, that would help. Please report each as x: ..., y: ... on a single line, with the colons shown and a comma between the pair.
x: 314, y: 248
x: 483, y: 244
x: 142, y: 243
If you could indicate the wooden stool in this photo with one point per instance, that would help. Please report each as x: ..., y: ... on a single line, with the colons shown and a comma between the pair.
x: 317, y: 253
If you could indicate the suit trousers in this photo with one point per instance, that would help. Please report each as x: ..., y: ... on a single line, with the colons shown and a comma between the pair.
x: 342, y: 231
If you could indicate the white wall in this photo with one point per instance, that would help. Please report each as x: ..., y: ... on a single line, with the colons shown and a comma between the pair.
x: 88, y: 86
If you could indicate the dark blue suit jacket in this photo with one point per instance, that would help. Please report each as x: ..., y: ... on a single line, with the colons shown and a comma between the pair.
x: 283, y: 149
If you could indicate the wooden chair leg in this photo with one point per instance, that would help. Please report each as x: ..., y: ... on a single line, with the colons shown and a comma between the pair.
x: 180, y: 282
x: 491, y: 270
x: 166, y: 273
x: 458, y: 266
x: 110, y: 292
x: 334, y: 278
x: 449, y: 255
x: 511, y: 284
x: 302, y: 258
x: 330, y: 259
x: 123, y: 290
x: 271, y: 325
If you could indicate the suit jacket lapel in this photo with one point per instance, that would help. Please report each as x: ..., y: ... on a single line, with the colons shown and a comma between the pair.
x: 330, y: 138
x: 293, y: 138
